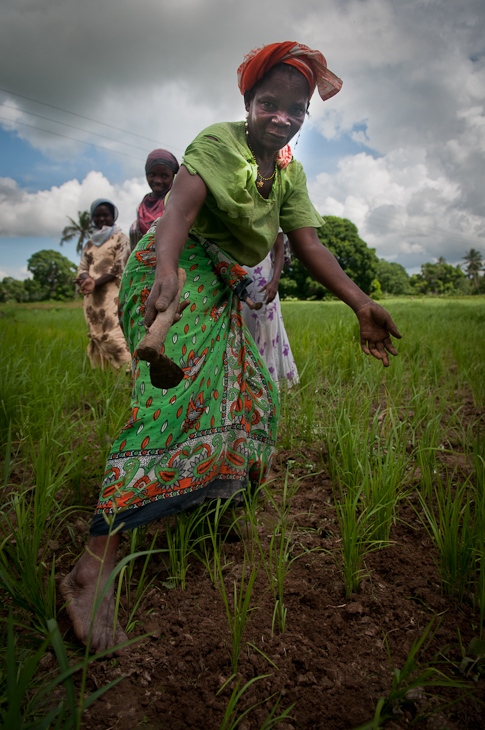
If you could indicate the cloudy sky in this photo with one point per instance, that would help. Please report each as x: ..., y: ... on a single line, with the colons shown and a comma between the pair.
x: 88, y: 88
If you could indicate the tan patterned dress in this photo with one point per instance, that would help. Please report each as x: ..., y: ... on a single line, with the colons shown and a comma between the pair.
x: 106, y: 341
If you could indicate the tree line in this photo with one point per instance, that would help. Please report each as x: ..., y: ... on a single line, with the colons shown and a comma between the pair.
x: 378, y: 277
x: 52, y: 273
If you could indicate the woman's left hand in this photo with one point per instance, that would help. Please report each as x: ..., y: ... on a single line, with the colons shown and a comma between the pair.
x: 376, y: 327
x: 271, y: 289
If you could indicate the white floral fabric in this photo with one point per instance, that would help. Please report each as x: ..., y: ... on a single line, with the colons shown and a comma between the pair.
x: 267, y: 327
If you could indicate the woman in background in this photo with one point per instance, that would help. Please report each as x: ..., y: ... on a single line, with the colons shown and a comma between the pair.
x: 266, y: 324
x: 160, y: 169
x: 103, y: 260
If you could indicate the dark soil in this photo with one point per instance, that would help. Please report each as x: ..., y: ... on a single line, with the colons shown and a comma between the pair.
x: 331, y: 663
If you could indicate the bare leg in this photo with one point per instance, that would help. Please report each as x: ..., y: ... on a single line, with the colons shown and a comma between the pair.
x: 79, y: 589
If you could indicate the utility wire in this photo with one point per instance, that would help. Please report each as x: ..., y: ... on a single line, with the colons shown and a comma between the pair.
x: 89, y: 119
x: 80, y: 141
x: 423, y: 231
x: 65, y: 124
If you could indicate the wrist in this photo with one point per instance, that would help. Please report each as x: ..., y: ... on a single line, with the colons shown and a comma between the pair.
x: 165, y: 271
x: 358, y: 306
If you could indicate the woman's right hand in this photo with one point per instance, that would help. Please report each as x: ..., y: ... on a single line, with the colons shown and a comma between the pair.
x: 87, y: 285
x: 164, y: 290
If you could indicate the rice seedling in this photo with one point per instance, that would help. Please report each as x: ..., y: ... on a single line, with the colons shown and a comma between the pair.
x: 479, y: 584
x: 238, y: 616
x: 477, y: 444
x: 452, y: 532
x: 231, y: 719
x: 26, y: 528
x: 472, y: 663
x: 280, y: 559
x: 27, y: 698
x: 209, y: 548
x: 411, y: 682
x: 356, y: 539
x: 143, y: 584
x: 371, y: 459
x: 237, y: 602
x: 279, y: 565
x: 182, y: 542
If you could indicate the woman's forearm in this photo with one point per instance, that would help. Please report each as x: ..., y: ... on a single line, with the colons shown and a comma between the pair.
x: 183, y: 204
x: 103, y: 279
x: 170, y: 239
x: 185, y: 200
x: 324, y: 267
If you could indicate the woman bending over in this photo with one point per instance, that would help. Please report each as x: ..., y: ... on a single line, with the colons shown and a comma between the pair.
x: 213, y: 435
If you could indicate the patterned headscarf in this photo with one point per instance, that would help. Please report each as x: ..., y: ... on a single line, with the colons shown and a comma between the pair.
x: 311, y: 64
x: 161, y: 157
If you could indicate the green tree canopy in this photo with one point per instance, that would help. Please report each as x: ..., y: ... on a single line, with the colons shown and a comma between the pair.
x: 438, y: 278
x: 358, y: 261
x: 81, y: 228
x: 394, y: 278
x: 53, y: 273
x: 12, y: 290
x: 354, y: 256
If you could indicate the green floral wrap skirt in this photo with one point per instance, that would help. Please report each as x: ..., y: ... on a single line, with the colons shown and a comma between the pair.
x: 214, y: 434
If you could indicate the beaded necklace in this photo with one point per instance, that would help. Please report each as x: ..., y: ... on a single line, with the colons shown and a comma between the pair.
x: 262, y: 179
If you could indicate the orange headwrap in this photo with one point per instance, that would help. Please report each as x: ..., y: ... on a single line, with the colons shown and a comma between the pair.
x: 311, y: 64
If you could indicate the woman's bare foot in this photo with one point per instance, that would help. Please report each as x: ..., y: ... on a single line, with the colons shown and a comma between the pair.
x: 80, y: 588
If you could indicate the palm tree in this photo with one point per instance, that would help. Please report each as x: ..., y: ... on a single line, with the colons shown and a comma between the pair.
x: 474, y: 264
x: 81, y: 228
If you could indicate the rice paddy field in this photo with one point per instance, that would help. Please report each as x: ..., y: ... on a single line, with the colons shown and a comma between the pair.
x: 356, y: 598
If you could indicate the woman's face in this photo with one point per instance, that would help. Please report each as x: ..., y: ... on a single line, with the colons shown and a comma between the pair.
x: 160, y: 178
x: 276, y: 110
x: 103, y: 216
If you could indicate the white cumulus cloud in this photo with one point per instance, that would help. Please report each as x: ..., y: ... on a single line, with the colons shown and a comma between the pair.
x: 45, y: 212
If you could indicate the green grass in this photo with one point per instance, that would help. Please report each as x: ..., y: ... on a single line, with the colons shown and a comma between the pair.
x: 380, y: 434
x: 385, y: 428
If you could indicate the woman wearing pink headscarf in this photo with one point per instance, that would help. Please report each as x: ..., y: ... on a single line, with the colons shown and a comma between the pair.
x: 160, y: 169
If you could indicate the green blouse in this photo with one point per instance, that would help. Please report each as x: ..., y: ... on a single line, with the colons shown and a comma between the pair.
x: 234, y: 214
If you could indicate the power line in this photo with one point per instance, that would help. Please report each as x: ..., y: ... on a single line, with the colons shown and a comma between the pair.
x: 80, y: 141
x: 423, y: 231
x: 65, y: 124
x: 89, y: 119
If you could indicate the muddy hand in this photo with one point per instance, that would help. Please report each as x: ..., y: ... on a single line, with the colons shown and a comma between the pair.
x: 151, y: 345
x: 163, y: 292
x: 164, y: 373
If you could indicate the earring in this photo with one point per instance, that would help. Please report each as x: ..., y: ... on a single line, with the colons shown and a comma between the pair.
x: 246, y: 125
x: 298, y: 137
